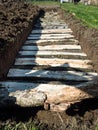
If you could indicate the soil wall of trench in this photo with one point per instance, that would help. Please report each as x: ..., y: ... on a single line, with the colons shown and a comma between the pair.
x: 16, y: 22
x: 88, y: 37
x: 8, y: 55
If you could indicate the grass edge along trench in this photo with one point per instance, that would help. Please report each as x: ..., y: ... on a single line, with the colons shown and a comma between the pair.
x: 88, y: 14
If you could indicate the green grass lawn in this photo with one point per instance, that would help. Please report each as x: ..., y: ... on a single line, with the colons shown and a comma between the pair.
x: 45, y: 3
x: 88, y: 14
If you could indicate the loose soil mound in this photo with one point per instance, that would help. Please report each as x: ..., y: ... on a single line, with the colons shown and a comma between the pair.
x: 16, y: 20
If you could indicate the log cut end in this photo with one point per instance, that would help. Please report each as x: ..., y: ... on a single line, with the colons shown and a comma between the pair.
x: 22, y: 98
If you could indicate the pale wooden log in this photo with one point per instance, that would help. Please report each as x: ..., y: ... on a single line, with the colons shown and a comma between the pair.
x: 54, y: 62
x: 29, y: 98
x: 49, y: 37
x: 51, y: 53
x: 21, y: 98
x: 50, y: 40
x: 65, y: 65
x: 68, y: 30
x: 73, y: 94
x: 58, y: 75
x: 52, y: 47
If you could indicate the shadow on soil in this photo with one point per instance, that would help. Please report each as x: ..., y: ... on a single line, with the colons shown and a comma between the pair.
x: 25, y: 113
x: 80, y: 108
x: 18, y: 113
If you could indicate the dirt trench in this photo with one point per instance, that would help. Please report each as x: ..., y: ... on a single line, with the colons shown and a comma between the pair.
x: 80, y: 116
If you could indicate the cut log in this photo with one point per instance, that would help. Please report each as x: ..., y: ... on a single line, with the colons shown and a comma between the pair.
x: 50, y: 40
x: 68, y: 30
x: 49, y: 53
x: 21, y: 98
x: 56, y: 75
x: 52, y: 47
x: 49, y: 37
x: 73, y: 94
x: 54, y: 62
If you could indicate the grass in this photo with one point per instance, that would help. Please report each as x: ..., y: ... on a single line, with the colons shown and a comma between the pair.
x: 96, y: 127
x: 88, y: 14
x: 19, y: 126
x: 46, y: 3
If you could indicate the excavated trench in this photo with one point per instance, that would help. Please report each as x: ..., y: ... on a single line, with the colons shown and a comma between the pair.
x: 52, y: 71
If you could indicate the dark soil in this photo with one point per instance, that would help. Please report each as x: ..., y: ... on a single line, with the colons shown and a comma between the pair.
x: 19, y: 18
x: 16, y: 21
x: 80, y: 116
